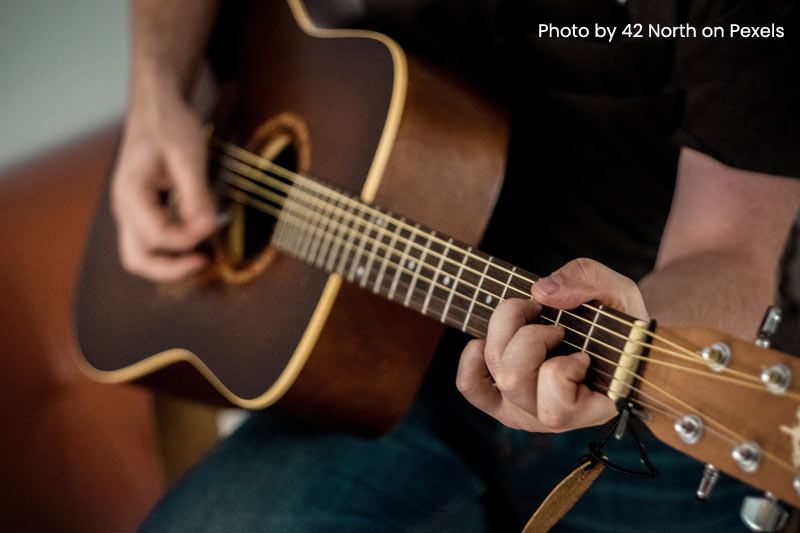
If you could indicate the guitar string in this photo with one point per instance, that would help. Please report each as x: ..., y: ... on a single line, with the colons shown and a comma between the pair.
x: 696, y: 371
x: 576, y: 316
x: 688, y: 354
x: 265, y: 165
x: 361, y: 206
x: 260, y: 163
x: 667, y: 410
x: 711, y: 421
x: 253, y: 187
x: 434, y: 282
x: 735, y: 436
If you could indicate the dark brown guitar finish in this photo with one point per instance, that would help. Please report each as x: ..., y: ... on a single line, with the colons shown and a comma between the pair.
x: 445, y: 170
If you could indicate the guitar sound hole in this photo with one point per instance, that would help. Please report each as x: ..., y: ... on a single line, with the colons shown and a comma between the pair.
x: 242, y: 251
x: 258, y: 226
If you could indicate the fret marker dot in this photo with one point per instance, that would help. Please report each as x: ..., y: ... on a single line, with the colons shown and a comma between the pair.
x: 379, y: 222
x: 446, y: 280
x: 359, y: 271
x: 412, y: 265
x: 488, y: 299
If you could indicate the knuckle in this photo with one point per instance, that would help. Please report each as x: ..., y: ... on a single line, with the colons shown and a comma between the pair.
x: 508, y: 381
x: 463, y: 384
x: 493, y: 355
x: 133, y: 263
x: 555, y: 420
x: 583, y: 269
x: 507, y: 307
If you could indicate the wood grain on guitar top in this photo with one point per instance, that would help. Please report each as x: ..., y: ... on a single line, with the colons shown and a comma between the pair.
x: 445, y: 168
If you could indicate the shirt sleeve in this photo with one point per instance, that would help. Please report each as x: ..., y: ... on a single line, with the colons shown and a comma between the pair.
x: 742, y: 94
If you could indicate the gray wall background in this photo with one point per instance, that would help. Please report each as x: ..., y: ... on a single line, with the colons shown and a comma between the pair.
x: 63, y: 71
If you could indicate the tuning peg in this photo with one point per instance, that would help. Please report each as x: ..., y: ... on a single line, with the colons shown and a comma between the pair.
x: 768, y: 326
x: 763, y: 513
x: 707, y: 482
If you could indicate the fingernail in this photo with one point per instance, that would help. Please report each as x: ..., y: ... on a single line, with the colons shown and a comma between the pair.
x: 547, y: 286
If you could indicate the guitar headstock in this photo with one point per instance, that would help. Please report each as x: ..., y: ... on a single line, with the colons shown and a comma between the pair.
x: 736, y: 407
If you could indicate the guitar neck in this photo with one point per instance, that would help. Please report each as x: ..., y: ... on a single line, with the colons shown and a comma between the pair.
x: 408, y: 263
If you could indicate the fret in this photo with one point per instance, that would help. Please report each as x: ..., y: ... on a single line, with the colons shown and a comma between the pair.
x: 402, y: 264
x: 300, y: 225
x: 350, y: 229
x: 508, y: 283
x: 329, y: 233
x: 337, y: 238
x: 319, y: 236
x: 453, y: 290
x: 591, y: 329
x: 520, y: 287
x: 476, y: 295
x: 377, y: 222
x: 420, y: 265
x: 317, y: 207
x: 280, y: 229
x: 493, y: 286
x: 355, y: 265
x: 386, y: 260
x: 285, y: 226
x: 558, y: 317
x: 436, y: 275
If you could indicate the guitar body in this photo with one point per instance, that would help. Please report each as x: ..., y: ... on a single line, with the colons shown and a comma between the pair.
x: 364, y: 117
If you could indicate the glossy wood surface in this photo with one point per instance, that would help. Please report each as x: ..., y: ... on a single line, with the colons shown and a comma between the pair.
x: 732, y: 413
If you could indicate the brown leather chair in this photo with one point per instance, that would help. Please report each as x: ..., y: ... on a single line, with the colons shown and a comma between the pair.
x: 76, y: 455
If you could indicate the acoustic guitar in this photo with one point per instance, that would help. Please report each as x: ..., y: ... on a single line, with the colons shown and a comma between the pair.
x: 301, y: 304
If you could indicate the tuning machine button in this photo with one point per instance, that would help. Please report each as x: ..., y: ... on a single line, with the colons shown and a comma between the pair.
x: 763, y: 513
x: 772, y: 318
x: 707, y: 482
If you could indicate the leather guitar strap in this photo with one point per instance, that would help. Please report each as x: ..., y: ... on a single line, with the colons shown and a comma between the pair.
x: 563, y: 497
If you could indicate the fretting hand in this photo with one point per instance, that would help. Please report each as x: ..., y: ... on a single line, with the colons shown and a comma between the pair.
x: 507, y: 375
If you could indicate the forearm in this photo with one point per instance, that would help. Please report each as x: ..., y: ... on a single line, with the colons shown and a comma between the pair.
x: 167, y: 43
x: 724, y: 291
x: 718, y: 261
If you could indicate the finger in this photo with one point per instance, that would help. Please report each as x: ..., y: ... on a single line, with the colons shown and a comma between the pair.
x: 505, y: 321
x: 564, y: 401
x: 516, y: 375
x: 138, y: 260
x: 476, y: 384
x: 186, y: 162
x: 137, y: 205
x: 473, y: 379
x: 583, y: 280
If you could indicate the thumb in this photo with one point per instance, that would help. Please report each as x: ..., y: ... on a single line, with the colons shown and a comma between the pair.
x: 186, y: 165
x: 583, y: 280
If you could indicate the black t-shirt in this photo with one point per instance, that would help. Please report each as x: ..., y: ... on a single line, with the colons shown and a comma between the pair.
x: 597, y: 126
x: 597, y: 131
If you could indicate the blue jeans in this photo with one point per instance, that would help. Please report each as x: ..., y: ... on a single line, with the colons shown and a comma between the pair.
x: 446, y: 467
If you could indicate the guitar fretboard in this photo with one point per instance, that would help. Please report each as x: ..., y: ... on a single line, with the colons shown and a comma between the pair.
x: 418, y: 268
